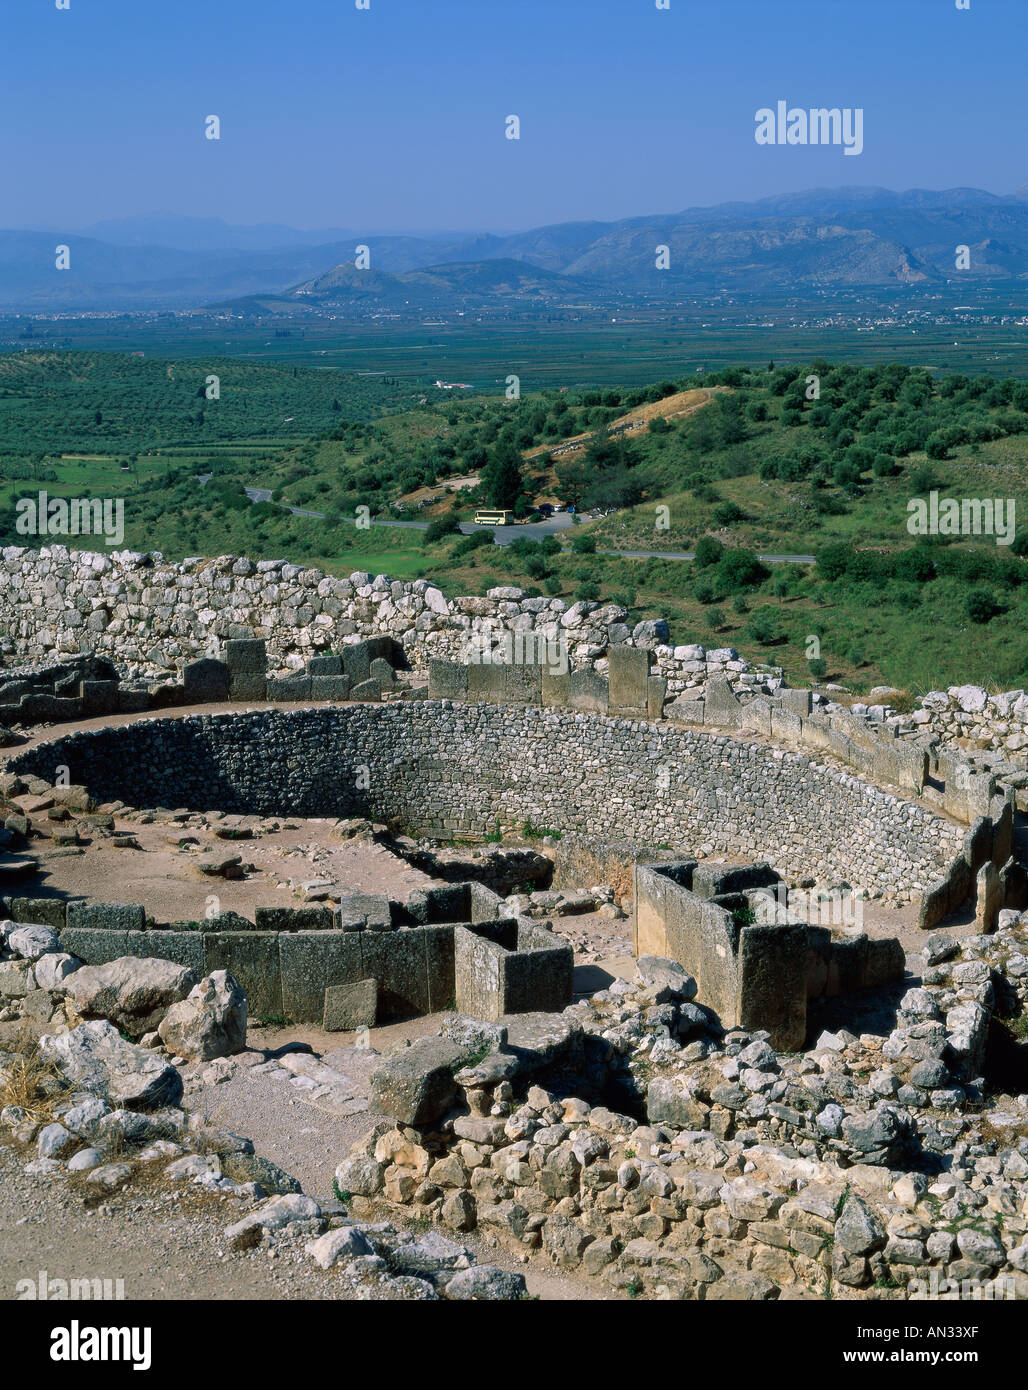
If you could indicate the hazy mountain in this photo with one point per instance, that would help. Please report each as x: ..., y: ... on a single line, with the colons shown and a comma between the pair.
x: 845, y: 238
x: 454, y: 286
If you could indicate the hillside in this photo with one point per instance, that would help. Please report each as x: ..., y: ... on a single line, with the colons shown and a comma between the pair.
x: 745, y: 465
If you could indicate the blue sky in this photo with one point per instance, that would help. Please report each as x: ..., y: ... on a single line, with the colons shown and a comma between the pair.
x: 394, y: 118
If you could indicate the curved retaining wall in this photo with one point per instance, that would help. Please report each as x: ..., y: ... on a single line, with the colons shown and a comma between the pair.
x: 467, y: 768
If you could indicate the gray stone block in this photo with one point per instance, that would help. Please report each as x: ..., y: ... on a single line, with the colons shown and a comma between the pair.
x: 132, y: 701
x: 205, y: 681
x: 447, y: 680
x: 556, y: 689
x: 311, y: 962
x: 356, y: 658
x: 487, y: 683
x: 348, y: 1007
x: 107, y: 916
x: 183, y: 947
x: 796, y: 701
x: 381, y: 671
x: 684, y: 711
x: 287, y: 919
x: 628, y: 672
x: 252, y: 958
x: 523, y: 684
x: 99, y: 697
x: 52, y: 912
x: 720, y: 705
x: 289, y: 688
x: 656, y: 694
x: 414, y: 969
x: 246, y: 685
x: 588, y: 692
x: 246, y: 655
x: 325, y: 666
x: 416, y: 1086
x: 358, y: 911
x: 330, y: 687
x: 366, y: 690
x: 94, y: 945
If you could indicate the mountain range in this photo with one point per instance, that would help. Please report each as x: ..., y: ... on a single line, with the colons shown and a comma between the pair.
x: 821, y: 241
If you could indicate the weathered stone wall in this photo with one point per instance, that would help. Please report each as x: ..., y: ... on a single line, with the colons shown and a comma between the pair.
x: 467, y: 768
x: 149, y: 615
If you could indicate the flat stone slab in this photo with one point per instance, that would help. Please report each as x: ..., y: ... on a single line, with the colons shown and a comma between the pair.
x: 351, y: 1006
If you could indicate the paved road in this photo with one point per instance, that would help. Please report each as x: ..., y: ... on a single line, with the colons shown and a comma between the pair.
x: 504, y: 535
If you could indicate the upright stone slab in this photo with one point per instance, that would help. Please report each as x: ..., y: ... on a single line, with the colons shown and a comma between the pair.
x: 348, y: 1007
x: 523, y: 684
x: 487, y: 683
x: 310, y: 962
x: 989, y: 898
x: 252, y: 958
x: 447, y: 680
x: 356, y: 659
x: 381, y: 670
x: 589, y: 692
x: 556, y: 688
x: 656, y: 694
x: 205, y: 681
x: 246, y: 656
x: 772, y: 983
x: 796, y: 701
x: 99, y: 697
x: 628, y: 673
x: 248, y: 685
x: 720, y: 705
x: 325, y: 666
x: 414, y: 969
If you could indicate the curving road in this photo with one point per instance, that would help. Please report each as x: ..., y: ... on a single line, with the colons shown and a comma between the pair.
x: 504, y: 535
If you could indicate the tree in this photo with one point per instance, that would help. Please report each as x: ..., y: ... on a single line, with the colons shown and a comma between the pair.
x: 501, y: 477
x: 708, y: 552
x: 572, y: 480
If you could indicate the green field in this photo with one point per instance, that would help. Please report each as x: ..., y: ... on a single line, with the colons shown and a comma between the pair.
x: 638, y: 349
x: 761, y: 468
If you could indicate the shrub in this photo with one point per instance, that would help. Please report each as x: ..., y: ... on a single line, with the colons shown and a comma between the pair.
x: 439, y: 528
x: 834, y: 560
x: 818, y: 667
x: 763, y: 627
x: 583, y: 545
x: 981, y: 605
x: 739, y: 569
x: 714, y: 618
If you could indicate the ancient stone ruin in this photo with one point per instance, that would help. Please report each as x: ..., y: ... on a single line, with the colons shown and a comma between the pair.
x: 745, y: 1100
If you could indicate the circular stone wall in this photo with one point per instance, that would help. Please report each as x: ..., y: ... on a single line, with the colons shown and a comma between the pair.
x: 466, y: 768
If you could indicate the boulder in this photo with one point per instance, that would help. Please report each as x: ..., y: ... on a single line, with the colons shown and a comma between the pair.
x: 416, y: 1086
x: 210, y: 1022
x: 52, y: 970
x: 135, y: 992
x: 31, y: 940
x: 485, y: 1283
x: 95, y: 1057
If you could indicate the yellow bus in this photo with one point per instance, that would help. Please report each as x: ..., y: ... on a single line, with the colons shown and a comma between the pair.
x: 497, y: 517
